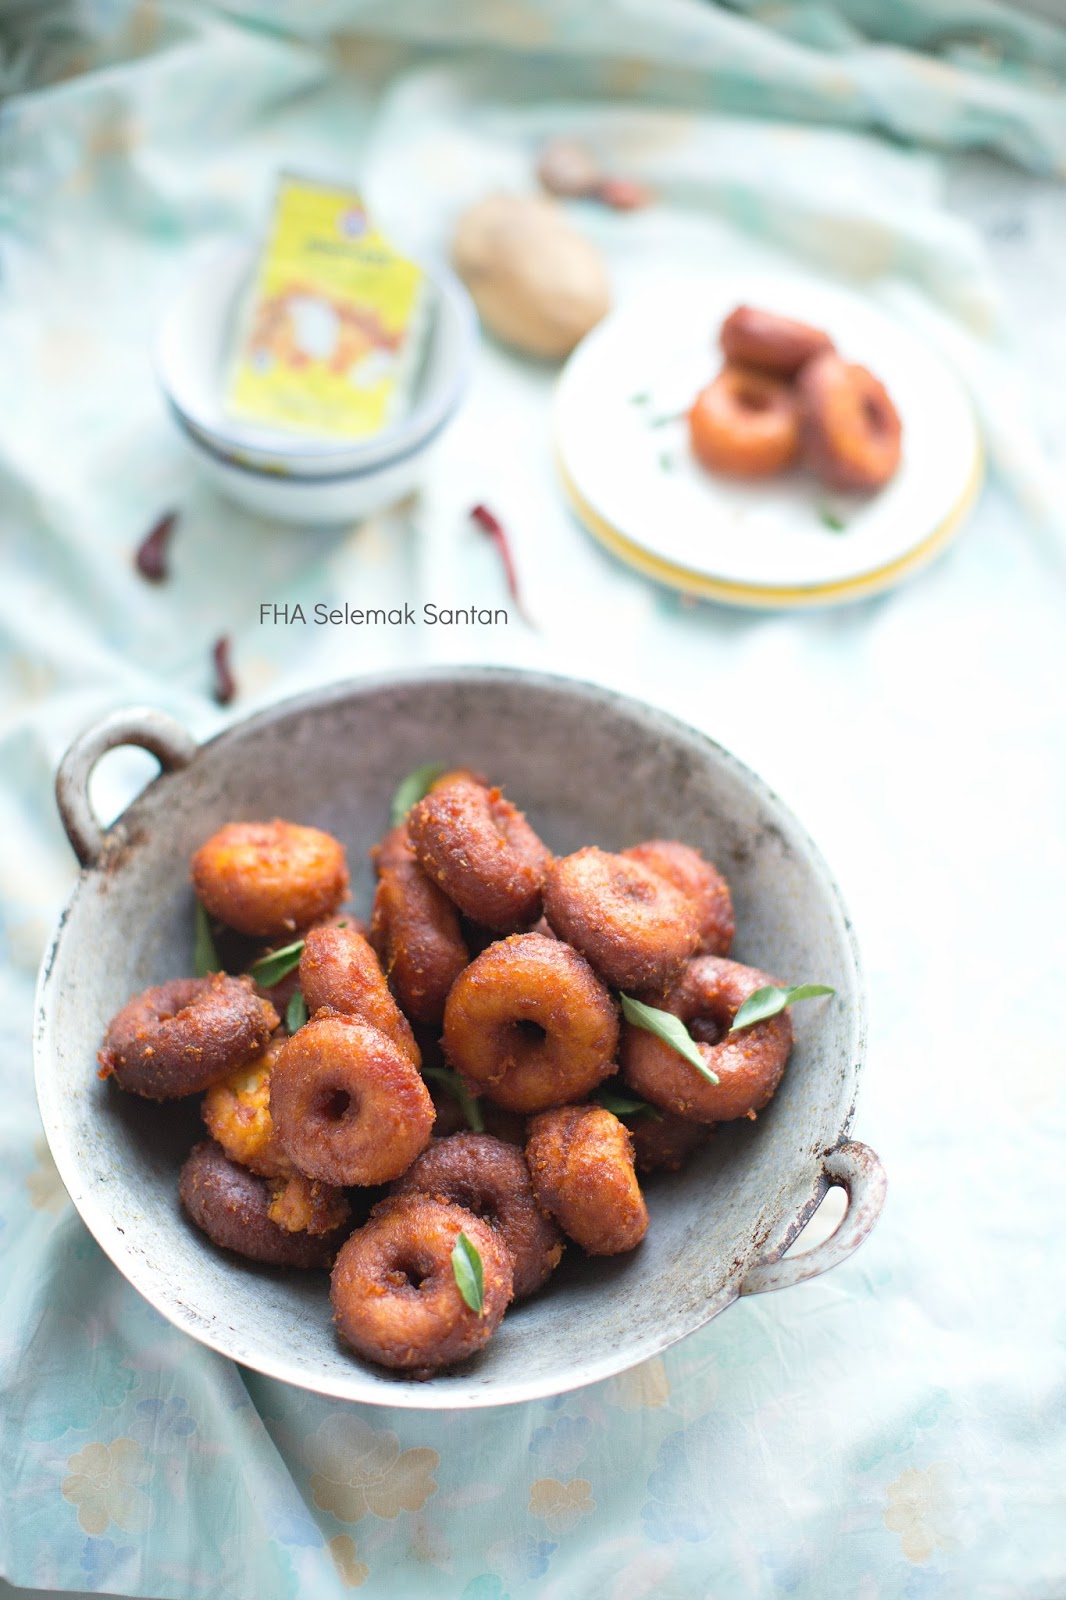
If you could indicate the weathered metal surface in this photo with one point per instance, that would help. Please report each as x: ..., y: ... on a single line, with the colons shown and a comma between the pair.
x: 589, y: 766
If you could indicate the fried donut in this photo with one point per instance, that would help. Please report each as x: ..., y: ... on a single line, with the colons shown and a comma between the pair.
x: 482, y: 852
x: 270, y: 878
x: 303, y: 1205
x: 182, y: 1036
x: 490, y: 1178
x: 633, y: 925
x: 769, y: 343
x: 414, y: 928
x: 745, y: 423
x: 663, y: 1143
x: 347, y: 1105
x: 237, y: 1114
x: 581, y: 1163
x: 749, y: 1064
x: 231, y: 1205
x: 530, y: 1024
x: 850, y: 430
x: 340, y: 972
x: 395, y: 1298
x: 688, y: 871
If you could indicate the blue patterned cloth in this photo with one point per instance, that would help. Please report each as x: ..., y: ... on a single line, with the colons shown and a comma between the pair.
x: 893, y: 1431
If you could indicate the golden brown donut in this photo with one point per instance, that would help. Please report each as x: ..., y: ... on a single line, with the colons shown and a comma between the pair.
x: 237, y: 1114
x: 395, y: 1298
x: 182, y: 1036
x: 851, y: 432
x: 749, y: 1064
x: 690, y: 872
x: 745, y: 423
x: 581, y: 1163
x: 231, y: 1205
x: 530, y: 1024
x: 339, y: 972
x: 664, y: 1143
x: 415, y: 930
x: 490, y: 1178
x: 769, y: 343
x: 630, y: 923
x: 270, y: 878
x: 482, y: 852
x: 347, y: 1105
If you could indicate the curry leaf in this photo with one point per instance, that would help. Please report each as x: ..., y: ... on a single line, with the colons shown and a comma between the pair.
x: 413, y: 788
x: 469, y: 1274
x: 769, y: 1001
x: 296, y: 1012
x: 831, y: 520
x: 670, y: 1029
x: 621, y: 1105
x: 204, y: 955
x: 458, y: 1090
x: 270, y: 969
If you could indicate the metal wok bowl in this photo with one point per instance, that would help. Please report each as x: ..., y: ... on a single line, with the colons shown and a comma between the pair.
x: 589, y: 767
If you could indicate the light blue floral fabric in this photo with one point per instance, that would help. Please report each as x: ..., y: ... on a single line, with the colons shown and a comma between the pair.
x: 893, y: 1431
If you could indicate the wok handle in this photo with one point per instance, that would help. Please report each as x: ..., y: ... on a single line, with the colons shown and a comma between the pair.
x: 854, y: 1168
x: 148, y: 730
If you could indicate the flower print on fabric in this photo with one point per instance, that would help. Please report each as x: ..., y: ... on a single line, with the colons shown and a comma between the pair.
x: 645, y: 1386
x: 355, y: 1470
x: 561, y: 1444
x: 919, y: 1510
x: 561, y: 1505
x: 106, y: 1482
x: 677, y: 1506
x: 344, y: 1551
x: 44, y: 1184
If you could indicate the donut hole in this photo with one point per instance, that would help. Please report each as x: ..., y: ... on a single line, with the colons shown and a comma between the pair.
x: 334, y: 1105
x: 705, y: 1030
x: 529, y: 1033
x: 874, y: 413
x: 749, y: 398
x: 407, y: 1275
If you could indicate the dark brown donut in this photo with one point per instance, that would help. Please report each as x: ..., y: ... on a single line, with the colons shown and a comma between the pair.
x: 746, y: 424
x: 490, y: 1178
x: 749, y: 1064
x: 395, y: 1298
x: 530, y: 1024
x: 231, y: 1205
x: 415, y: 930
x: 690, y: 872
x: 180, y: 1037
x: 581, y: 1163
x: 851, y: 431
x: 769, y: 343
x: 482, y: 852
x: 632, y: 925
x: 664, y: 1143
x: 270, y: 878
x: 346, y: 1103
x: 339, y: 972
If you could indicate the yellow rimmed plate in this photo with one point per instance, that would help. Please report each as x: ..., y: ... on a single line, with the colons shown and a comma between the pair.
x: 622, y: 442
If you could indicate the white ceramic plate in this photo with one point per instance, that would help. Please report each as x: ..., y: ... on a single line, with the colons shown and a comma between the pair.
x: 622, y: 438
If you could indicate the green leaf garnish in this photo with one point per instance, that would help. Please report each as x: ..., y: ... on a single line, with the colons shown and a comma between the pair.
x: 774, y: 998
x: 670, y: 1029
x: 668, y: 416
x: 666, y: 463
x: 296, y: 1012
x: 458, y: 1090
x: 640, y: 399
x: 469, y: 1274
x: 414, y: 788
x: 269, y: 970
x: 831, y: 520
x: 621, y: 1105
x: 204, y: 955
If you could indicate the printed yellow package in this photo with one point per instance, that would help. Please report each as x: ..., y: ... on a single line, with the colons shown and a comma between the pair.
x: 332, y: 333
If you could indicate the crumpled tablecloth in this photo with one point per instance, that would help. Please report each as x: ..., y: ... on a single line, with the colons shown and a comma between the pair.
x: 893, y: 1431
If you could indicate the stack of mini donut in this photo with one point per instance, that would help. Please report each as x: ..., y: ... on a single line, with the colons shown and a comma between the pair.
x: 489, y: 978
x: 785, y: 396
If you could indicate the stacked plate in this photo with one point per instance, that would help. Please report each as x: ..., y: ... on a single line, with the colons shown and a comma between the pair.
x: 624, y: 458
x: 283, y: 474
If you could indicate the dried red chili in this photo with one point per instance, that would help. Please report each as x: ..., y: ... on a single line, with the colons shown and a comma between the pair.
x: 623, y: 194
x: 490, y: 524
x: 225, y: 684
x: 152, y: 552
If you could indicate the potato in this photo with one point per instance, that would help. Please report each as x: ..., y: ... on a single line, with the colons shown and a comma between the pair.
x: 538, y: 284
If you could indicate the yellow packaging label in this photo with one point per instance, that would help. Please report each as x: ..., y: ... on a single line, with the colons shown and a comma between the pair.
x: 330, y: 336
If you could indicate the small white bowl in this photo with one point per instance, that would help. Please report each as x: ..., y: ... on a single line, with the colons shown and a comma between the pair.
x: 285, y: 475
